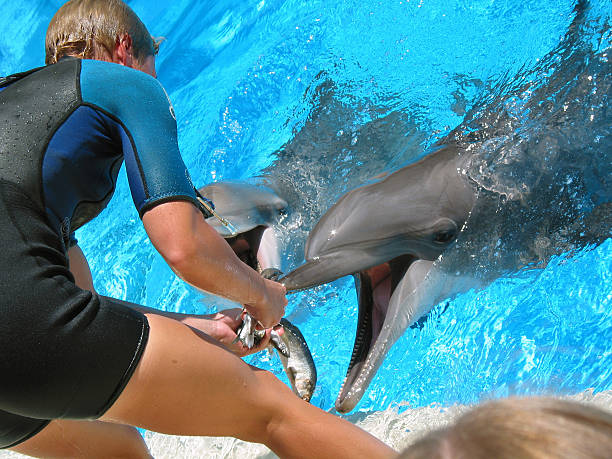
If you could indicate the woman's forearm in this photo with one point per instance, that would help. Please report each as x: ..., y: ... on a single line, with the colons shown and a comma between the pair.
x: 196, y: 252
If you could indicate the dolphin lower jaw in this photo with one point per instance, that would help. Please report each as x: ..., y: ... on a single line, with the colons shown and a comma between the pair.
x: 363, y: 339
x: 375, y: 288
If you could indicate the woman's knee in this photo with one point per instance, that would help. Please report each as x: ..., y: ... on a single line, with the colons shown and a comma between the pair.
x: 130, y: 445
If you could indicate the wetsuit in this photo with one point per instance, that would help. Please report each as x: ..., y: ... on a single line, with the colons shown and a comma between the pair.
x: 65, y: 130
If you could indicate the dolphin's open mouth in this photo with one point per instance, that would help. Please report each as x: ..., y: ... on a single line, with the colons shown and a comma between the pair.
x: 246, y: 246
x: 390, y: 300
x: 375, y: 287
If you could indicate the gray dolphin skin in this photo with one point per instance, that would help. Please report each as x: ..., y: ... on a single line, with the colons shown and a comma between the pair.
x: 387, y: 234
x: 414, y: 213
x: 244, y: 205
x: 251, y: 210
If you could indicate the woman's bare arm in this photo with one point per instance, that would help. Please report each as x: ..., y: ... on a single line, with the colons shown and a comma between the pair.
x: 185, y: 384
x: 196, y: 252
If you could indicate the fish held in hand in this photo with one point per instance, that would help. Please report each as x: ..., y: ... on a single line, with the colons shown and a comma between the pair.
x: 298, y: 365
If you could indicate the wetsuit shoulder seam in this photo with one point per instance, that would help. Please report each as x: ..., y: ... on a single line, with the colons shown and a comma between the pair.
x: 78, y: 81
x: 129, y: 135
x: 76, y: 104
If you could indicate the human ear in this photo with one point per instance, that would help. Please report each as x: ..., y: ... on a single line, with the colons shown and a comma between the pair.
x: 123, y: 53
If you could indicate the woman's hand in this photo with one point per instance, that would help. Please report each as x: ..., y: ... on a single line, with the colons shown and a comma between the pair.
x: 222, y: 327
x: 271, y: 308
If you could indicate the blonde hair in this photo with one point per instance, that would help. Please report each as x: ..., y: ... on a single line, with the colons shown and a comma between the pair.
x: 530, y: 428
x: 90, y: 28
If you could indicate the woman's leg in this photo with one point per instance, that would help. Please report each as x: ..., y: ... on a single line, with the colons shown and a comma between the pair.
x: 187, y: 384
x: 85, y: 439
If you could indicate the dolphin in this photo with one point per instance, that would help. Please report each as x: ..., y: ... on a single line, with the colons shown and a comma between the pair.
x: 388, y: 235
x: 514, y: 184
x: 251, y: 210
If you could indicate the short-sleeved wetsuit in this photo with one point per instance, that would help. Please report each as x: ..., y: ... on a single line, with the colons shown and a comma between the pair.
x: 65, y: 130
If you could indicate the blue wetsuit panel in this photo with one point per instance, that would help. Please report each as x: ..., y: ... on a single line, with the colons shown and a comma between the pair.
x: 137, y: 101
x: 80, y: 168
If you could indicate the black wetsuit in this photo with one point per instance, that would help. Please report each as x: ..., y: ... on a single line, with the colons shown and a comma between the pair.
x: 65, y: 130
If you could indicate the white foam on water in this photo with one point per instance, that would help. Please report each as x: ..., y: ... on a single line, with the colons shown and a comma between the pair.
x: 395, y: 428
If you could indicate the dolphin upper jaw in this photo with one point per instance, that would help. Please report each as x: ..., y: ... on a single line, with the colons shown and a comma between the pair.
x: 350, y: 259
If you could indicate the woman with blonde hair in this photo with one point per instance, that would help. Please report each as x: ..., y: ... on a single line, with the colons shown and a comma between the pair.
x: 79, y: 369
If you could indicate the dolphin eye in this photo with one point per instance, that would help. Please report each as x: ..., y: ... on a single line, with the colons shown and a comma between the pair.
x: 444, y: 231
x: 443, y: 237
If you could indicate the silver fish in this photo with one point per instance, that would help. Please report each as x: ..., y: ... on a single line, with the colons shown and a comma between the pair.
x: 247, y: 333
x: 249, y: 336
x: 292, y: 350
x: 298, y: 365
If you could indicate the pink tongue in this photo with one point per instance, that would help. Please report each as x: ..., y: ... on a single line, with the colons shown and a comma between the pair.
x: 381, y: 296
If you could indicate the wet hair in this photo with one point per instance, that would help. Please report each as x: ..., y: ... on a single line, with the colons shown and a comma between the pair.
x: 528, y: 428
x: 90, y: 28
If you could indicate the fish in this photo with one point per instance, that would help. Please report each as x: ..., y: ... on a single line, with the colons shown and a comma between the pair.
x: 299, y: 365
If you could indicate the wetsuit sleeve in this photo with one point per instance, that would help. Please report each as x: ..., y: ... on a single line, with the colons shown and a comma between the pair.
x: 155, y: 169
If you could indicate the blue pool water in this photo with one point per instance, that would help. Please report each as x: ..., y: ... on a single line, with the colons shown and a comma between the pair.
x: 341, y: 90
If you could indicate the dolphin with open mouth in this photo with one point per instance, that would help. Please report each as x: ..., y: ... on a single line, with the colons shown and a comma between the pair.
x: 388, y: 235
x: 248, y: 213
x: 525, y: 176
x: 245, y: 215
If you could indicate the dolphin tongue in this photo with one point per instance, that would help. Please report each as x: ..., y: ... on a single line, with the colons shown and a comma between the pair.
x: 380, y: 278
x: 406, y: 305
